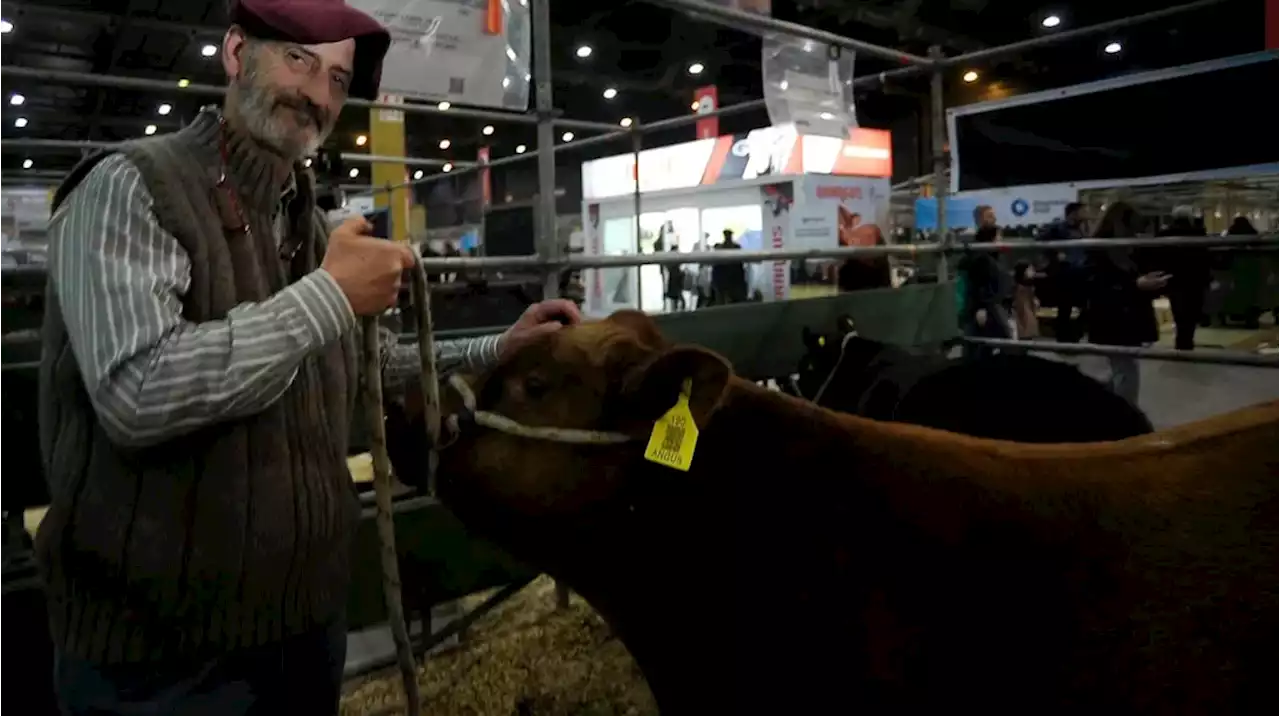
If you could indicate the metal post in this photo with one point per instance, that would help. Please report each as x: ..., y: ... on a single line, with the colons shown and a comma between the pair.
x: 636, y: 144
x: 936, y: 116
x: 545, y: 210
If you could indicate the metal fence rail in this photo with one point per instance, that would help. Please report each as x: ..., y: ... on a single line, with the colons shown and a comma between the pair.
x: 1216, y: 357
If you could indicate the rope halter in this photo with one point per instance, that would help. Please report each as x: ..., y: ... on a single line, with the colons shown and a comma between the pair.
x: 503, y: 424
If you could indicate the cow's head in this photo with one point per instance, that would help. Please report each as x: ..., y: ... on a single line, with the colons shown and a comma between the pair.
x: 822, y: 353
x: 617, y: 376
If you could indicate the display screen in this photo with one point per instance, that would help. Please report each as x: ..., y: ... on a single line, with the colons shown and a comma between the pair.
x: 1172, y: 126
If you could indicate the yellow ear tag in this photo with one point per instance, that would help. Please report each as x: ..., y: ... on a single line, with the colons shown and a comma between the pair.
x: 674, y: 435
x: 822, y: 340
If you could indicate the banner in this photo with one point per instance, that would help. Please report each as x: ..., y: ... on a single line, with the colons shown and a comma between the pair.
x: 705, y: 101
x: 477, y: 51
x: 1018, y: 206
x: 777, y: 200
x: 839, y: 211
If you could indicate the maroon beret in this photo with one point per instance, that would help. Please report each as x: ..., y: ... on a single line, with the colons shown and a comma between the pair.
x: 316, y: 22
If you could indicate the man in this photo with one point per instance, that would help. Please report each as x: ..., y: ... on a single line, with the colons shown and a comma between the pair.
x: 1064, y: 283
x: 729, y: 280
x: 198, y: 377
x: 984, y: 217
x: 1190, y: 275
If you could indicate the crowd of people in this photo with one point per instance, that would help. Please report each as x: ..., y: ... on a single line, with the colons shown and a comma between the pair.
x: 1105, y: 295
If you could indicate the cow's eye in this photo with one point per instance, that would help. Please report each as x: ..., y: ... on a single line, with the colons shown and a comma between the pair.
x: 535, y: 387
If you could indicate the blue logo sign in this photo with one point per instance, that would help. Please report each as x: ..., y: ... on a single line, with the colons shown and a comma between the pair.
x: 1020, y: 207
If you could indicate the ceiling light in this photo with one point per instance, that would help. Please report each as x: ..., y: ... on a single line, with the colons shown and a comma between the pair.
x: 694, y: 106
x: 520, y: 149
x: 306, y: 162
x: 184, y: 83
x: 1112, y: 48
x: 827, y: 116
x: 567, y: 136
x: 626, y: 122
x: 1051, y: 21
x: 511, y: 53
x: 27, y: 163
x: 443, y: 105
x: 783, y: 85
x: 361, y: 140
x: 447, y: 167
x: 150, y: 130
x: 970, y: 76
x: 16, y: 99
x: 6, y: 27
x: 584, y: 51
x: 488, y: 129
x: 164, y: 109
x: 20, y: 122
x: 610, y: 93
x: 696, y: 68
x: 417, y: 175
x: 209, y: 50
x: 353, y: 173
x: 506, y: 82
x: 444, y: 143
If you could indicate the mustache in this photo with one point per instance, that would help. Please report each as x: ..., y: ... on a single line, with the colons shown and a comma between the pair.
x: 316, y: 114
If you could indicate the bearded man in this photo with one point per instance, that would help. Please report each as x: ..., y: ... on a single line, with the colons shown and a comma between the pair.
x: 197, y: 383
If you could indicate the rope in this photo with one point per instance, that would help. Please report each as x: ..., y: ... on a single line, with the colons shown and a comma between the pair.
x: 503, y: 424
x: 844, y: 342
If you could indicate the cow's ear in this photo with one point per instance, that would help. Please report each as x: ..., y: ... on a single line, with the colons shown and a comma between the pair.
x: 845, y: 325
x: 652, y: 387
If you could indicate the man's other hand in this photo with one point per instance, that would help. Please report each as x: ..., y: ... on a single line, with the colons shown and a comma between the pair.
x: 538, y: 320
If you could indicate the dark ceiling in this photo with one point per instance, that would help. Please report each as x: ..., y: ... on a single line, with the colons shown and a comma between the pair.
x: 640, y: 49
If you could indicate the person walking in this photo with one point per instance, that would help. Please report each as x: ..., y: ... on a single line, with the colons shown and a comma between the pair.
x: 1064, y: 277
x: 1191, y: 272
x: 198, y: 377
x: 983, y: 314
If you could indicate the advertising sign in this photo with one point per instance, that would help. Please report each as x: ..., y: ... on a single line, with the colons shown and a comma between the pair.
x: 474, y: 52
x: 1021, y: 205
x: 839, y: 211
x: 777, y: 201
x: 705, y: 101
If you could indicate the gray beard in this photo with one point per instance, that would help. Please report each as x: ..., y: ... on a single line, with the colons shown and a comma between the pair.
x: 256, y: 109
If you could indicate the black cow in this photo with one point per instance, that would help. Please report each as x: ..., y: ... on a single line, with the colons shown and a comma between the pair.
x: 1004, y: 396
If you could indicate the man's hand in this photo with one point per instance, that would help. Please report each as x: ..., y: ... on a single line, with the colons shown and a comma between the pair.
x: 980, y: 317
x: 538, y: 320
x: 1153, y: 281
x: 367, y: 269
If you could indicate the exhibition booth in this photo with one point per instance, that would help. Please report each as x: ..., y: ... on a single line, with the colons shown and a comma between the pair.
x: 770, y: 188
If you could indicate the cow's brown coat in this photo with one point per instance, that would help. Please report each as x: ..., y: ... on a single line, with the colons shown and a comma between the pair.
x: 814, y: 562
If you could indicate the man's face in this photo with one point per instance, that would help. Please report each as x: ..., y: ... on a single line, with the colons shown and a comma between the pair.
x: 288, y: 96
x: 988, y: 217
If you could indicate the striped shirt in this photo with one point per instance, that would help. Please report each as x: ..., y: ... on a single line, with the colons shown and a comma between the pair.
x: 151, y: 374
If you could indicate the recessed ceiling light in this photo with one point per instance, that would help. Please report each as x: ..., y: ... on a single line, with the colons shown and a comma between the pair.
x: 306, y: 162
x: 27, y: 163
x: 6, y: 27
x: 584, y: 51
x: 1051, y: 21
x: 353, y: 173
x: 567, y: 136
x: 696, y: 68
x: 417, y: 175
x: 444, y: 143
x: 209, y: 50
x: 443, y: 105
x: 488, y: 129
x: 20, y: 122
x: 164, y: 109
x: 694, y: 105
x: 610, y: 93
x: 16, y: 99
x: 447, y: 167
x: 970, y: 76
x: 520, y: 149
x: 1112, y: 48
x: 150, y: 130
x: 626, y: 122
x: 361, y: 140
x: 184, y: 83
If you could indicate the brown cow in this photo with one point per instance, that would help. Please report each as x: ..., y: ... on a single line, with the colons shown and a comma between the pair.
x: 812, y: 562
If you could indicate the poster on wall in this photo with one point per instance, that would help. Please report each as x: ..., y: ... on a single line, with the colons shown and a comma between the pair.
x: 777, y: 200
x: 840, y: 211
x: 477, y: 51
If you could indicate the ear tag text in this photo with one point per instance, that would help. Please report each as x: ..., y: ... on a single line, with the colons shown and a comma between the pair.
x: 675, y: 435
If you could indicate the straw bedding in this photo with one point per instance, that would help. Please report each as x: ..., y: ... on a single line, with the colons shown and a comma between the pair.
x: 525, y: 658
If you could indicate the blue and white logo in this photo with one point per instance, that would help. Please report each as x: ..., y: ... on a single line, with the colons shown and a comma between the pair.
x: 1020, y: 207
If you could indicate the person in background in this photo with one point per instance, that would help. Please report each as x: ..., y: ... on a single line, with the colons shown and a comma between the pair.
x: 200, y: 363
x: 1026, y: 323
x: 983, y: 314
x: 1119, y: 296
x: 1191, y: 274
x: 674, y: 274
x: 984, y: 217
x: 1064, y: 277
x: 859, y: 273
x: 729, y: 280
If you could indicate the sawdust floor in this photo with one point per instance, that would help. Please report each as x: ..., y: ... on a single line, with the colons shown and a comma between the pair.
x: 525, y: 658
